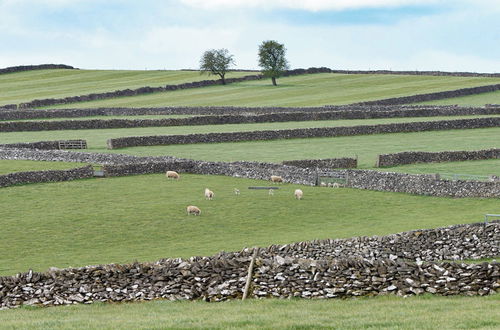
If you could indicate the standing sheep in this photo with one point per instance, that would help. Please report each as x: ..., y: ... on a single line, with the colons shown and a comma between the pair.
x: 191, y: 209
x: 209, y: 194
x: 172, y: 175
x: 236, y: 191
x: 276, y: 178
x: 298, y: 194
x: 271, y: 192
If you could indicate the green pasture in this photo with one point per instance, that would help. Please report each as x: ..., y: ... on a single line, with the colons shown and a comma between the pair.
x: 304, y: 90
x: 41, y: 84
x: 470, y: 100
x: 123, y: 219
x: 423, y: 312
x: 475, y: 167
x: 10, y: 166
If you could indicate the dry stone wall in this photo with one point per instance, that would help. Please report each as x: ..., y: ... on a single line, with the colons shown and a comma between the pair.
x: 420, y: 184
x: 21, y: 68
x: 121, y: 164
x: 412, y: 157
x: 343, y: 112
x: 130, y: 92
x: 324, y: 163
x: 309, y: 115
x: 434, y: 96
x: 18, y: 178
x: 134, y: 141
x: 39, y: 145
x: 278, y: 273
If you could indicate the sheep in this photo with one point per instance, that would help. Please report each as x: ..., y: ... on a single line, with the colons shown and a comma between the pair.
x: 298, y: 194
x: 271, y: 192
x: 322, y: 184
x: 191, y: 209
x: 236, y: 191
x: 209, y: 194
x: 276, y: 178
x: 172, y: 175
x: 335, y: 185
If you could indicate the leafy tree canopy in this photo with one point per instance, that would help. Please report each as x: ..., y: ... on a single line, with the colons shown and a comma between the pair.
x: 216, y: 62
x: 272, y: 59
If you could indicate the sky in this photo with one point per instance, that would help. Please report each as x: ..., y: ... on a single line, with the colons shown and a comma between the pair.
x: 446, y: 35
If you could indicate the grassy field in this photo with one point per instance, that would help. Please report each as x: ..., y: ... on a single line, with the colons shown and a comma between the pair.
x: 476, y: 167
x: 424, y: 312
x: 10, y: 166
x: 471, y: 100
x: 143, y: 218
x: 40, y: 84
x: 304, y: 90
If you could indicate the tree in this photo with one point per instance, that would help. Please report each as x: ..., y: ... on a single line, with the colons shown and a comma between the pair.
x: 272, y: 59
x: 217, y: 62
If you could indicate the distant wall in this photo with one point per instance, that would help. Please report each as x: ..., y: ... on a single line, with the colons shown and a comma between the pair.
x: 18, y: 178
x: 302, y: 133
x: 420, y: 184
x: 130, y: 92
x: 434, y: 96
x: 343, y: 112
x: 234, y: 118
x: 41, y: 145
x: 411, y: 157
x: 323, y: 163
x: 281, y: 271
x: 21, y: 68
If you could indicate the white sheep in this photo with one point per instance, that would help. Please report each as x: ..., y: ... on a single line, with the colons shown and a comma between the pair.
x: 335, y: 185
x: 172, y: 175
x: 209, y: 194
x: 298, y: 193
x: 276, y: 178
x: 271, y: 192
x: 236, y: 191
x: 191, y: 209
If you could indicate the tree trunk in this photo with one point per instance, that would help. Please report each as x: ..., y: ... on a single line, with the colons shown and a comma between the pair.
x: 274, y: 81
x: 222, y: 78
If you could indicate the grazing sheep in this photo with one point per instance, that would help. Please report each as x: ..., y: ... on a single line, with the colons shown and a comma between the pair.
x: 236, y: 191
x: 322, y: 184
x: 335, y: 185
x: 172, y: 175
x: 271, y: 192
x: 298, y: 193
x: 276, y: 178
x: 191, y: 209
x: 209, y: 194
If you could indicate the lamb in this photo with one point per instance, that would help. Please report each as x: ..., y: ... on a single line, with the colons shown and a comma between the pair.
x: 172, y: 175
x: 209, y: 194
x: 236, y: 191
x: 271, y: 192
x: 298, y: 194
x: 191, y: 209
x: 276, y: 178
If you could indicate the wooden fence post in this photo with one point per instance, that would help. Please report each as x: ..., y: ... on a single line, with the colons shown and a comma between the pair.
x: 250, y: 272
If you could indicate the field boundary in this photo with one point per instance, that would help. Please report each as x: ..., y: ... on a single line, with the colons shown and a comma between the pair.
x: 345, y: 111
x: 403, y: 264
x: 264, y: 135
x: 44, y: 125
x: 22, y: 68
x: 412, y: 157
x: 433, y: 96
x: 18, y: 178
x: 123, y: 165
